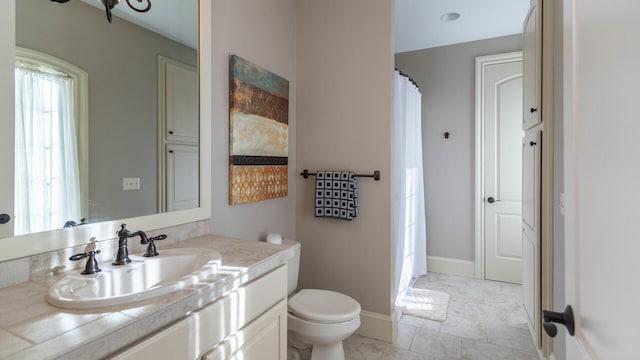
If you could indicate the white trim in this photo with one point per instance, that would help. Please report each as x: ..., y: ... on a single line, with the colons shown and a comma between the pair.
x: 162, y: 158
x: 481, y: 63
x: 451, y: 266
x: 378, y: 326
x: 7, y: 94
x: 574, y: 345
x: 547, y: 206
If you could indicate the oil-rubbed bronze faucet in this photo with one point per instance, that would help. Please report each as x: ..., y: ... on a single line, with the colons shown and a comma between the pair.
x: 92, y: 264
x: 72, y: 223
x: 122, y: 256
x: 151, y: 248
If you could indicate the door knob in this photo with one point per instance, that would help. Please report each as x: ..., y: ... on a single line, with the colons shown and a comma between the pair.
x: 4, y: 218
x: 565, y: 318
x: 491, y: 200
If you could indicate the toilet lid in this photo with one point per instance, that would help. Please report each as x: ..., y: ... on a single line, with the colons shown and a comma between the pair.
x: 323, y: 306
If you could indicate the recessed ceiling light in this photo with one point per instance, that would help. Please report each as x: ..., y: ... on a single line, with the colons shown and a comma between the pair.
x: 449, y: 17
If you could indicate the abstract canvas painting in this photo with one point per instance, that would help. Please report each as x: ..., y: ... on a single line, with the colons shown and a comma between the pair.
x: 258, y: 133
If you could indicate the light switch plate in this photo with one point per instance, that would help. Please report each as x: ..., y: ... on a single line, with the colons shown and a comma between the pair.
x: 130, y: 183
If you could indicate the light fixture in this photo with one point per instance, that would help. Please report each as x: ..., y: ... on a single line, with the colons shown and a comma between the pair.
x: 109, y: 4
x: 450, y: 17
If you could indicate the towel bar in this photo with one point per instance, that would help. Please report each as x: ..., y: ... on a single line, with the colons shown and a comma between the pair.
x: 376, y: 175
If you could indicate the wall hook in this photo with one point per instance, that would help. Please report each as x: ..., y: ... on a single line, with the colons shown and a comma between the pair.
x: 446, y: 135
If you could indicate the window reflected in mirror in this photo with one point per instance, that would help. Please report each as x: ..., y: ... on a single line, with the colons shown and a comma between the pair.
x: 50, y: 178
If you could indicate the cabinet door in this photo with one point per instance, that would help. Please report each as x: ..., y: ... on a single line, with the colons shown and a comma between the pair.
x: 179, y: 100
x: 248, y: 323
x: 188, y: 338
x: 182, y: 177
x: 174, y: 342
x: 531, y: 162
x: 531, y: 145
x: 529, y: 278
x: 265, y: 338
x: 531, y: 69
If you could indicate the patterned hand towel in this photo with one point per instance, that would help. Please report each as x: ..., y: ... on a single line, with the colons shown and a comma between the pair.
x: 336, y: 194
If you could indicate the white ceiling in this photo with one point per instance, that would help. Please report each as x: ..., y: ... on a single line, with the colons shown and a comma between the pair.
x: 418, y: 24
x: 176, y: 20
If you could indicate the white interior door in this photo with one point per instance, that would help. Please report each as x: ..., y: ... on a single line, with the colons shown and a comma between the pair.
x: 502, y: 149
x: 602, y: 177
x: 180, y: 101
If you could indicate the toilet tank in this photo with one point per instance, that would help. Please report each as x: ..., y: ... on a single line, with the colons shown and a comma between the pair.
x: 293, y: 266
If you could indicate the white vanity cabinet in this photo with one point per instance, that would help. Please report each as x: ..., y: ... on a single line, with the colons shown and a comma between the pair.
x: 247, y: 323
x: 263, y: 338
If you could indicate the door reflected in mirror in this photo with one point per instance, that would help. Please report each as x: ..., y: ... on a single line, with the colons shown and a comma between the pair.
x: 130, y: 148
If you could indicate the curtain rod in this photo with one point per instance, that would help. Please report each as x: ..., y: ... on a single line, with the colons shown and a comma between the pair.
x: 408, y: 77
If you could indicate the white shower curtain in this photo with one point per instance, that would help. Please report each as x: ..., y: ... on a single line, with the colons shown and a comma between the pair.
x: 409, y: 229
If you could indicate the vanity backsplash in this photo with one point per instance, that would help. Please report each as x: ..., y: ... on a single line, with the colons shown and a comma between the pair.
x: 40, y: 266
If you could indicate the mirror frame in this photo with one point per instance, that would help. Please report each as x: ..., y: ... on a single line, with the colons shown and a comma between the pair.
x: 42, y: 242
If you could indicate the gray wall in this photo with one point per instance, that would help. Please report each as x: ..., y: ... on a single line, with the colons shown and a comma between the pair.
x: 345, y: 62
x: 263, y: 32
x: 446, y: 76
x: 121, y: 60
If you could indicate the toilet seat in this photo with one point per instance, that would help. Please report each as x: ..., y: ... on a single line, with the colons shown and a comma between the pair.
x: 323, y: 306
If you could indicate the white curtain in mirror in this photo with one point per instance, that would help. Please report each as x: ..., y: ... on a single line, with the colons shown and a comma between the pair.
x: 409, y: 228
x: 47, y: 179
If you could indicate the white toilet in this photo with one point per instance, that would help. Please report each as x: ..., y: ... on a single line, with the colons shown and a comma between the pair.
x: 319, y: 319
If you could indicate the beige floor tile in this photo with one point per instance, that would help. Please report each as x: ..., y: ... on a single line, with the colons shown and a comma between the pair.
x: 420, y: 322
x: 436, y: 344
x: 519, y: 355
x: 362, y: 348
x: 465, y: 327
x: 405, y: 336
x: 485, y: 320
x: 477, y: 350
x: 513, y: 337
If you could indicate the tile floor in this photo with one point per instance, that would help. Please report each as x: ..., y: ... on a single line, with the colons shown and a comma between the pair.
x: 485, y: 320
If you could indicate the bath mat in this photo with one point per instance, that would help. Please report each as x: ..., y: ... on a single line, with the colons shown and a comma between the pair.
x: 427, y: 304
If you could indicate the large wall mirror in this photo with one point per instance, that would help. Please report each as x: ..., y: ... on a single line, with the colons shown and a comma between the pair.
x: 138, y: 115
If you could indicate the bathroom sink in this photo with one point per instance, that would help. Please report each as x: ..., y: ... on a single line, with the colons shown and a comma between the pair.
x: 142, y: 279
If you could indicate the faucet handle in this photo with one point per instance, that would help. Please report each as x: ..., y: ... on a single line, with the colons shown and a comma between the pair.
x: 151, y: 249
x: 123, y: 230
x: 92, y: 265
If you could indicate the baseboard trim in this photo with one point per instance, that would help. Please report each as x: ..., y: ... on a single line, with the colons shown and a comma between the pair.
x: 451, y: 266
x: 378, y: 326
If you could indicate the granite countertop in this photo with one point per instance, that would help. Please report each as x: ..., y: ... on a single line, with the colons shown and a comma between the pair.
x: 30, y: 328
